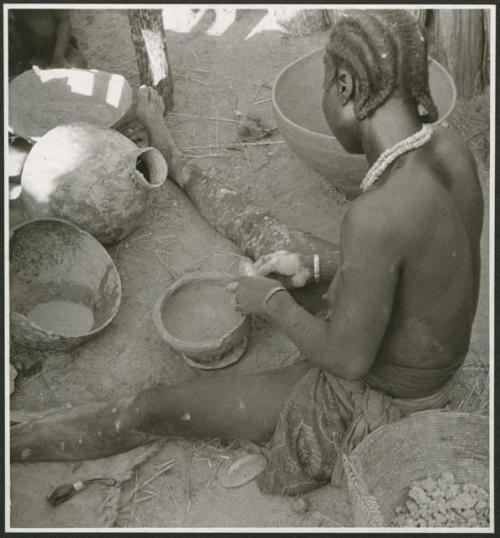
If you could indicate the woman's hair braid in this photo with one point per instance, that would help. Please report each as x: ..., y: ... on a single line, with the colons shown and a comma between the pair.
x: 383, y: 50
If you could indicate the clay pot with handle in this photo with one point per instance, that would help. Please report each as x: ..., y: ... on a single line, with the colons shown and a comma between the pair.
x: 93, y: 177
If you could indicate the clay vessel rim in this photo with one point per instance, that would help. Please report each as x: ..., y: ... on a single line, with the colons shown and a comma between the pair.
x: 193, y: 346
x: 229, y: 358
x: 287, y: 120
x: 139, y: 177
x: 116, y: 306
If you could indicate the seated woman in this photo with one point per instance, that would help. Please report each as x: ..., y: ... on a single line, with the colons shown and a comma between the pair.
x: 41, y: 37
x: 403, y: 298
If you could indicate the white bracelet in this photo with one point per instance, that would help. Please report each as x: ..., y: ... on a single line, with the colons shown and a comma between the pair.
x: 271, y: 292
x: 316, y: 268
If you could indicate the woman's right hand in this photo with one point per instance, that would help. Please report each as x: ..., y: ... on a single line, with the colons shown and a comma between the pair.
x: 297, y: 268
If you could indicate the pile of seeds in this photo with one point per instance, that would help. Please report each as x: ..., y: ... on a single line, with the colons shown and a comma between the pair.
x: 442, y: 503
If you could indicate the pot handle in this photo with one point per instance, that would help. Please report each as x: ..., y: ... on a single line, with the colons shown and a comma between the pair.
x: 152, y: 161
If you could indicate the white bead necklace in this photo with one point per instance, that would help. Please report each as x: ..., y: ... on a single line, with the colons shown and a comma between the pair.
x: 386, y: 158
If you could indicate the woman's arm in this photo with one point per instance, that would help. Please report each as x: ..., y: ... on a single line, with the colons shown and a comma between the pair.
x: 254, y: 229
x: 361, y: 300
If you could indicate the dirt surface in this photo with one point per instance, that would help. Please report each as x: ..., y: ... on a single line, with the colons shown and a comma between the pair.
x: 215, y: 76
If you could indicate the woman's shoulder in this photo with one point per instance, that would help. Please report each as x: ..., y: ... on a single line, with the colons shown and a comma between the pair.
x: 452, y: 148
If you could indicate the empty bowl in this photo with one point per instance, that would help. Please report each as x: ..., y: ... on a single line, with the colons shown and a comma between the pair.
x: 197, y: 318
x: 41, y: 99
x: 64, y: 286
x: 297, y: 96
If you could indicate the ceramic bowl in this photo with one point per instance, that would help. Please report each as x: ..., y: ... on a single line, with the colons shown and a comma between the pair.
x: 297, y: 95
x: 196, y: 317
x: 41, y: 99
x: 64, y: 286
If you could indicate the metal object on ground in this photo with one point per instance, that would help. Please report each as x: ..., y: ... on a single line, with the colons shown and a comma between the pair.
x: 63, y: 493
x: 196, y: 317
x: 297, y: 96
x: 64, y: 286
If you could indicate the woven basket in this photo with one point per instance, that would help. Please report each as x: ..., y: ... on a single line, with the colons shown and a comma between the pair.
x: 382, y: 468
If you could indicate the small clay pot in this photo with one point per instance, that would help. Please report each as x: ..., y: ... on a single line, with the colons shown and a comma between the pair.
x: 184, y: 313
x: 58, y: 270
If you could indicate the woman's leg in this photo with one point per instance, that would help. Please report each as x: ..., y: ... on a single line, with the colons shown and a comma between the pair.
x: 255, y: 230
x: 230, y: 406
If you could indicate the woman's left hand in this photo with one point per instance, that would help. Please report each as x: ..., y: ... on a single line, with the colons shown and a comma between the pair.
x: 292, y: 265
x: 250, y: 291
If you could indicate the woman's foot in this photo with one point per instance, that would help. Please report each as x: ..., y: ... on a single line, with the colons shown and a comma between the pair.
x: 150, y: 106
x: 149, y: 110
x: 133, y: 128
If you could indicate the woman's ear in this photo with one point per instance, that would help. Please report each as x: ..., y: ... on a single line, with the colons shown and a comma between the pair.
x: 345, y: 86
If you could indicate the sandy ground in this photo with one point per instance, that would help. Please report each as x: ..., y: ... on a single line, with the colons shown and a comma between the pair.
x: 214, y: 75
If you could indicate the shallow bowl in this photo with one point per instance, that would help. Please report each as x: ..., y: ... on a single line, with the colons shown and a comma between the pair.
x: 64, y: 286
x: 41, y: 99
x: 297, y: 95
x: 196, y: 317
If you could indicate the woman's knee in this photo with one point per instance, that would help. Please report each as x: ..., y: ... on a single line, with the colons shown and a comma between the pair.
x: 142, y: 411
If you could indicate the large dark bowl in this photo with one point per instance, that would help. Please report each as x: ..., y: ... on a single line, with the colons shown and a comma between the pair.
x: 297, y: 96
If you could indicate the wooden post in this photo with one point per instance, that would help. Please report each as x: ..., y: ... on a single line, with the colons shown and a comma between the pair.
x: 458, y: 42
x: 149, y: 39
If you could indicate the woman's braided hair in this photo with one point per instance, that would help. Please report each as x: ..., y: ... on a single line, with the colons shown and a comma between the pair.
x: 382, y: 50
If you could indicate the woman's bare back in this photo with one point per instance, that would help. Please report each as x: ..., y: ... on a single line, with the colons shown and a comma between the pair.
x: 439, y: 209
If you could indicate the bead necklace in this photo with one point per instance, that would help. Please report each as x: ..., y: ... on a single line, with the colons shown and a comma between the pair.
x: 386, y: 158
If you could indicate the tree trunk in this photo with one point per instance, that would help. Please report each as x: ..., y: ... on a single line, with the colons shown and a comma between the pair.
x: 458, y: 39
x: 301, y: 21
x: 149, y: 39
